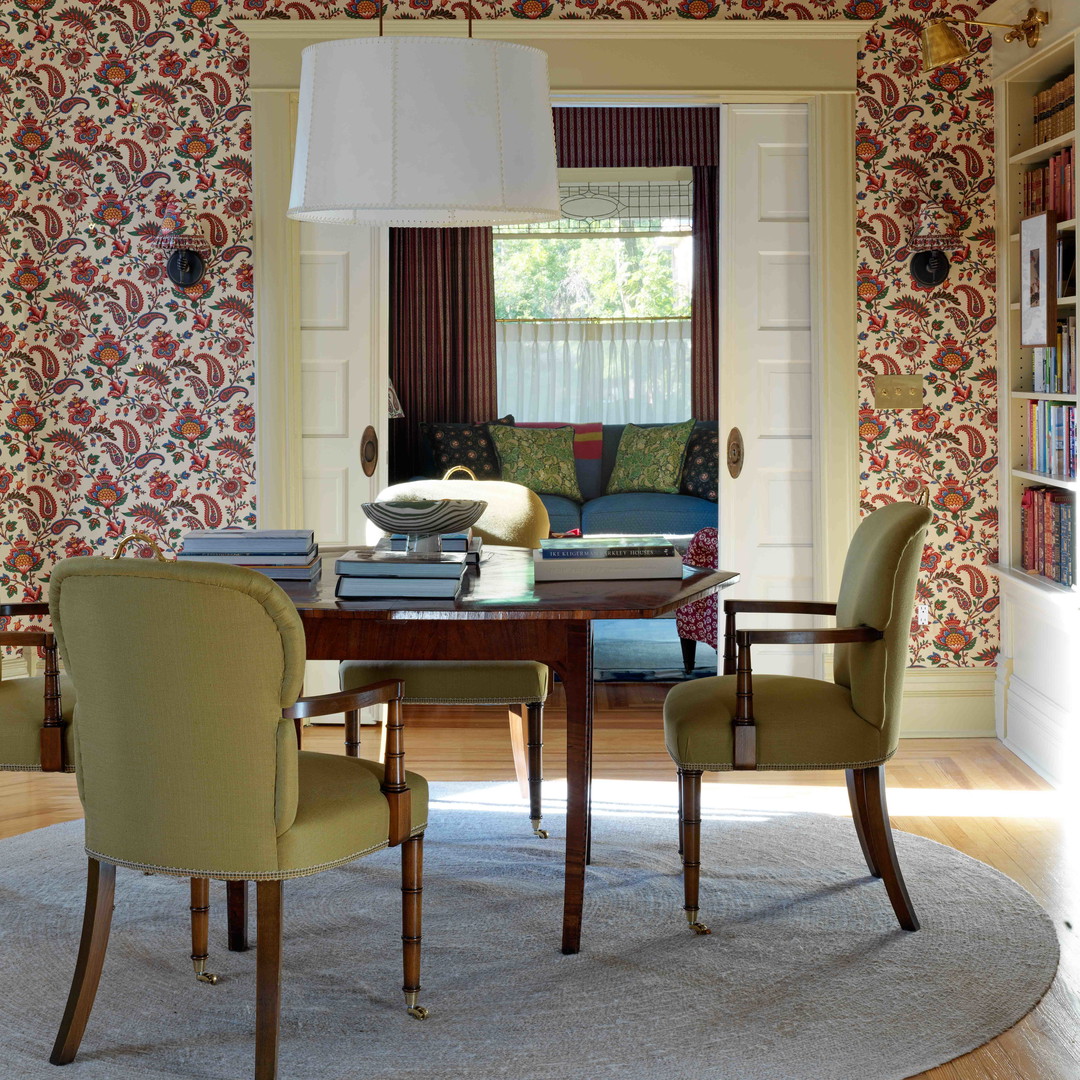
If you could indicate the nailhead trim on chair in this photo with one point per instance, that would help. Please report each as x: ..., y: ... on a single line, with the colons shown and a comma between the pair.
x: 245, y: 875
x: 728, y: 767
x: 33, y: 768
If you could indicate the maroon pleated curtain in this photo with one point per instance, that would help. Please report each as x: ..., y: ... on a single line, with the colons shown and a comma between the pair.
x: 663, y: 138
x: 442, y: 335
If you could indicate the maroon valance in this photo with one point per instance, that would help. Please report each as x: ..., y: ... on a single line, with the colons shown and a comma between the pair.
x: 656, y: 138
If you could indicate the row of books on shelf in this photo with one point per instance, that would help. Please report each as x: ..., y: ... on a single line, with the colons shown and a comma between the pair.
x: 389, y: 571
x: 1055, y: 110
x: 286, y: 555
x: 1054, y: 366
x: 1050, y: 187
x: 1052, y: 438
x: 1048, y: 534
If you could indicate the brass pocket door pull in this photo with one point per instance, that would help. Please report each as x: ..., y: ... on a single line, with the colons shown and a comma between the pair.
x: 735, y: 455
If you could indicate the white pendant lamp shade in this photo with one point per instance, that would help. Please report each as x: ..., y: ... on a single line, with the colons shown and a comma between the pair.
x: 424, y: 131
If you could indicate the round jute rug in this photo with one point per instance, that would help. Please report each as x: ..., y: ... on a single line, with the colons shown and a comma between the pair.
x: 806, y: 975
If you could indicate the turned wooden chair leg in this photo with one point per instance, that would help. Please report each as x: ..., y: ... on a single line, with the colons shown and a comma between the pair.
x: 97, y: 918
x: 689, y: 654
x: 412, y: 889
x: 352, y: 733
x: 236, y: 897
x: 200, y: 929
x: 857, y: 797
x: 679, y: 785
x: 690, y: 798
x: 880, y: 837
x: 519, y: 740
x: 268, y: 905
x: 535, y: 713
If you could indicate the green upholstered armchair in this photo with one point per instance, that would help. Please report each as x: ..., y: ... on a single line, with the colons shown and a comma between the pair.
x: 515, y: 517
x: 35, y: 712
x: 737, y: 721
x: 187, y: 762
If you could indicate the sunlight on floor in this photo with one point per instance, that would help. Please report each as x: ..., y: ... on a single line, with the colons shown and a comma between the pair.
x: 655, y: 798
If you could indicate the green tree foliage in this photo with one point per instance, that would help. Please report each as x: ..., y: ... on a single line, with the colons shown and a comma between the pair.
x: 583, y: 277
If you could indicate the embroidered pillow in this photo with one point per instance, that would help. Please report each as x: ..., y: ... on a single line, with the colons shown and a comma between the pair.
x: 541, y: 459
x: 701, y: 469
x: 464, y: 444
x: 650, y: 459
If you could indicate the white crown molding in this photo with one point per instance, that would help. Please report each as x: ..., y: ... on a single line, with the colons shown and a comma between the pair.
x: 312, y: 30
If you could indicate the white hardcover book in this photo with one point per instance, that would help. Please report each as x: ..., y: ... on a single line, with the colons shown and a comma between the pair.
x: 642, y: 568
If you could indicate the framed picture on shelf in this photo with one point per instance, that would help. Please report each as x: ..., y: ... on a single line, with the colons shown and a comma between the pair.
x: 1038, y: 280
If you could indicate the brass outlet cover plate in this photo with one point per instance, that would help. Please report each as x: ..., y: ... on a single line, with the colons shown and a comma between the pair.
x: 898, y: 392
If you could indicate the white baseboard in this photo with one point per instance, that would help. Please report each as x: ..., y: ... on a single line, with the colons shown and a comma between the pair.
x: 948, y: 703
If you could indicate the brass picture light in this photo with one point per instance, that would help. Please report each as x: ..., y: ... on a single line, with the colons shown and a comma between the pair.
x: 943, y: 44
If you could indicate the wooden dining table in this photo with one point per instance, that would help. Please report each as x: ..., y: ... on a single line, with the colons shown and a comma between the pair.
x: 501, y: 614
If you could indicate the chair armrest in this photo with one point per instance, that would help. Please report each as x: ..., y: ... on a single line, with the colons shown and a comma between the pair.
x: 781, y: 607
x: 13, y: 608
x: 388, y: 693
x: 380, y: 693
x: 745, y: 730
x: 24, y: 638
x: 765, y: 607
x: 826, y: 635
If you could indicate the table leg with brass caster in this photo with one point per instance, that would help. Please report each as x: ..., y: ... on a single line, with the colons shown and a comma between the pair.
x: 412, y: 868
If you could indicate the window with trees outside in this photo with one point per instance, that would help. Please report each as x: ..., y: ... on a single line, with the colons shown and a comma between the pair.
x: 593, y: 311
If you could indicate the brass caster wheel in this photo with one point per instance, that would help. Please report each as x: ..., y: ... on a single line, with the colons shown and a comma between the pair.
x: 206, y: 977
x: 541, y: 834
x: 418, y: 1012
x: 700, y: 928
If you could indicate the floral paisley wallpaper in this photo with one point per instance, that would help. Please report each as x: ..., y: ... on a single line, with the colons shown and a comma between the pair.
x: 127, y: 405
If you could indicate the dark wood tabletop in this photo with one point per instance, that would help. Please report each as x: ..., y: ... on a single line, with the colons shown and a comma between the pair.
x: 502, y: 587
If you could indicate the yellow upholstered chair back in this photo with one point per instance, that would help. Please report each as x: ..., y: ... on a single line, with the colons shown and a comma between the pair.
x: 515, y: 516
x: 183, y: 761
x: 878, y: 590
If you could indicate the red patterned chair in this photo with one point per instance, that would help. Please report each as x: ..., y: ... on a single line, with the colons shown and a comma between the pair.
x: 697, y: 621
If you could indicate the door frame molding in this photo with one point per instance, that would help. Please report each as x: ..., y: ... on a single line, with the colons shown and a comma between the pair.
x: 832, y: 261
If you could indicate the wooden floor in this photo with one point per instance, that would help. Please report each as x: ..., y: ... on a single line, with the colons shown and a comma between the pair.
x: 969, y: 793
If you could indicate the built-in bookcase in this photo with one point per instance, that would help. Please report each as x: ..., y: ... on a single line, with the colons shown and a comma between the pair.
x: 1038, y: 676
x: 1019, y: 154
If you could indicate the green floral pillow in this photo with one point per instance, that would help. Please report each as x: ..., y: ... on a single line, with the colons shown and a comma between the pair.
x: 650, y: 459
x: 541, y: 459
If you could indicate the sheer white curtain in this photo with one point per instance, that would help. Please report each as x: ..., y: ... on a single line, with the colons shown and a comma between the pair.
x: 616, y: 372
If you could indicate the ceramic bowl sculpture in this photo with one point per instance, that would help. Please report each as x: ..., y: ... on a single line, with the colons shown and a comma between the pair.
x: 425, y: 518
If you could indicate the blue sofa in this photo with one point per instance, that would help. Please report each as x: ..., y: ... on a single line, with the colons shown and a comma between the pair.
x: 637, y: 512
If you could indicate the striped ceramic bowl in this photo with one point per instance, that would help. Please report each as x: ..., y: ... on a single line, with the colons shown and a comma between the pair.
x: 427, y: 517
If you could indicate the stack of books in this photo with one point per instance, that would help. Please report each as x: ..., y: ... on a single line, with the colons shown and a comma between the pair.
x: 1050, y: 187
x: 592, y: 558
x: 1052, y: 438
x: 1048, y: 534
x: 1054, y: 367
x: 1055, y: 110
x: 381, y: 573
x: 286, y: 555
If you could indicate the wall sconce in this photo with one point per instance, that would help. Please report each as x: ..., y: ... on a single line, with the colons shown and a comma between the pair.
x: 181, y: 236
x: 935, y: 235
x: 941, y: 44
